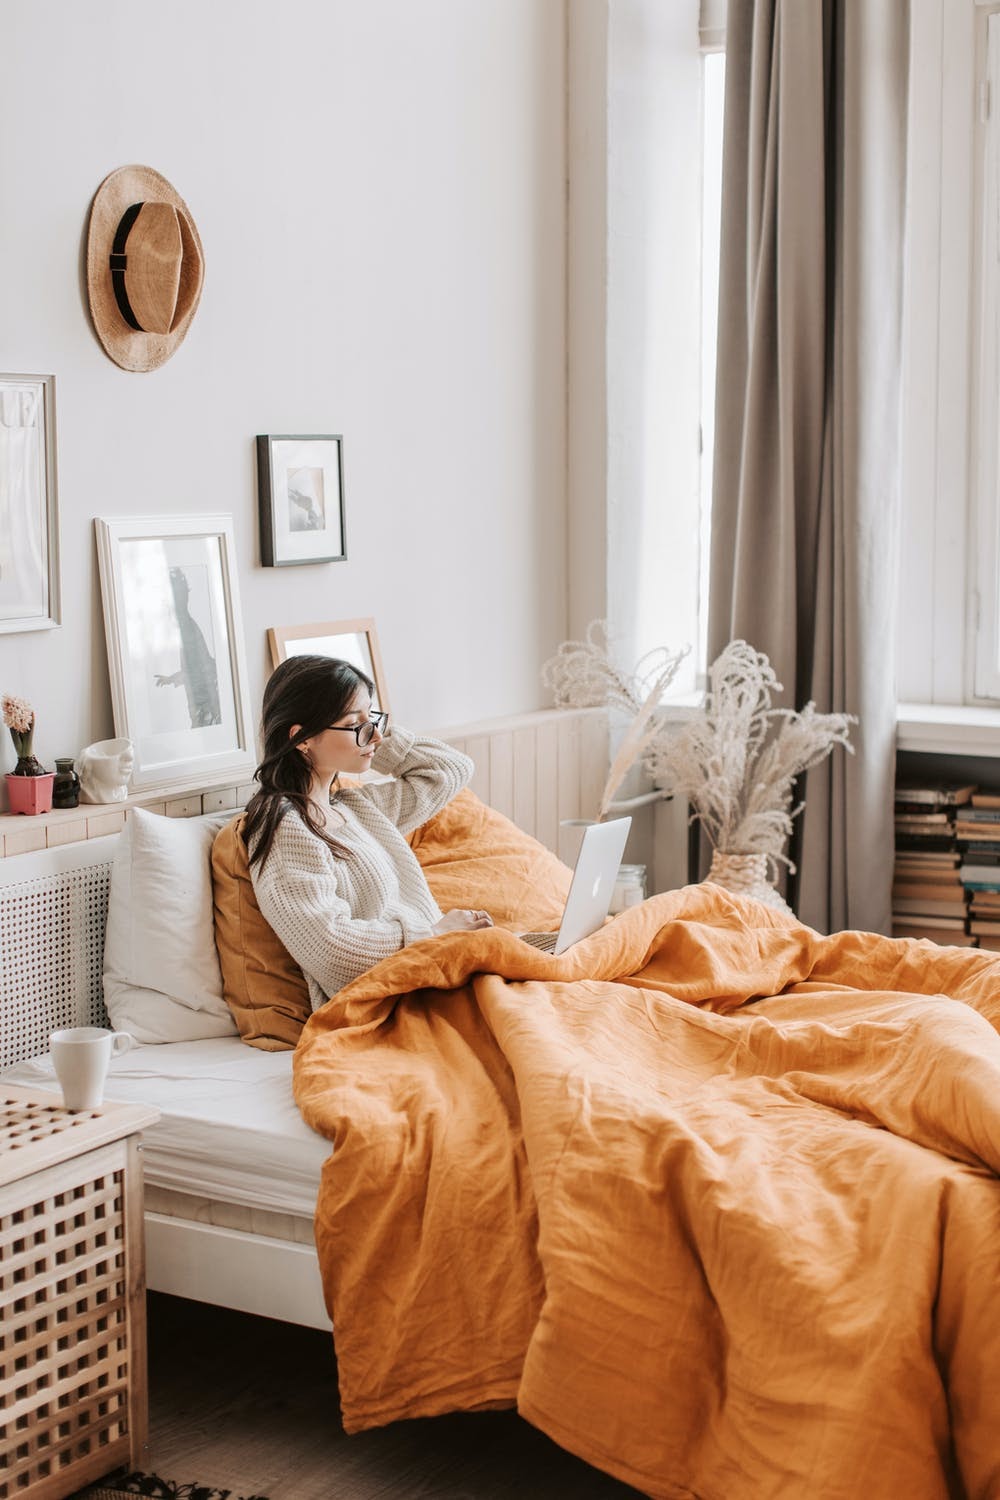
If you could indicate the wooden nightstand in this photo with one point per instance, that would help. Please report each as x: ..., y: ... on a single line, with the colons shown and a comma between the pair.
x: 73, y: 1389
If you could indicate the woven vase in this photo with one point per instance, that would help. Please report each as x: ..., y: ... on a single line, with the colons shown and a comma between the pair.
x: 745, y: 875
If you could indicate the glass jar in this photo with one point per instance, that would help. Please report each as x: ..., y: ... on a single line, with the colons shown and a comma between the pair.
x: 66, y: 787
x: 630, y: 887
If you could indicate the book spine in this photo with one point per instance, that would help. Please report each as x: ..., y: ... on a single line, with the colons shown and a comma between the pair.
x: 929, y: 897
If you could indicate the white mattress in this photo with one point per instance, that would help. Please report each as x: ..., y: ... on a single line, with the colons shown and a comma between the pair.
x: 229, y: 1127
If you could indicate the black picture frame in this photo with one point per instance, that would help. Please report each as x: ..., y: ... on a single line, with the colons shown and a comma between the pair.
x: 300, y: 493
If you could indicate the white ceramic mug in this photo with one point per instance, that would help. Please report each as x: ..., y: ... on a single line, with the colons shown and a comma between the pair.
x: 80, y: 1056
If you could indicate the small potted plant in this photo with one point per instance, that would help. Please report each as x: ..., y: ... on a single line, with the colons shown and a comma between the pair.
x: 29, y: 785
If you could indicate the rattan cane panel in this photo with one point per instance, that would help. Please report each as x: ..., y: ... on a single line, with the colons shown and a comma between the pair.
x: 64, y: 1348
x: 52, y: 943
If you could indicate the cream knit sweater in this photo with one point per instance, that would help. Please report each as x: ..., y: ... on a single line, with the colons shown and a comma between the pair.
x: 339, y: 916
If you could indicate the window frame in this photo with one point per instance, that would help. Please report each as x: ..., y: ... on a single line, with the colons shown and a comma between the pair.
x: 984, y: 509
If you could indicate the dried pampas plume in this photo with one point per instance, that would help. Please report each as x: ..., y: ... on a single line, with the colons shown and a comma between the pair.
x: 736, y: 760
x: 582, y: 674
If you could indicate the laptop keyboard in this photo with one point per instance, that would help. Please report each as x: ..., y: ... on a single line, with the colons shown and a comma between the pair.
x: 544, y: 940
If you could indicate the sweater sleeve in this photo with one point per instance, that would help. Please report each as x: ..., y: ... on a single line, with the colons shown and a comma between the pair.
x: 428, y: 774
x: 298, y: 897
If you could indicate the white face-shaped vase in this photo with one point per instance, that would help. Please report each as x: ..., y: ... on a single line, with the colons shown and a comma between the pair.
x: 105, y: 769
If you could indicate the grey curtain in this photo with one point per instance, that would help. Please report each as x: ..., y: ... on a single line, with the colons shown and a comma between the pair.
x: 805, y: 497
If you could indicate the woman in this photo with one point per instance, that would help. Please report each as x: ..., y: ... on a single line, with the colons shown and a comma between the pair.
x: 331, y: 869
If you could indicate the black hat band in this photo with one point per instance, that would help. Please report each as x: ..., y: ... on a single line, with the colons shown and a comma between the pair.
x: 118, y: 261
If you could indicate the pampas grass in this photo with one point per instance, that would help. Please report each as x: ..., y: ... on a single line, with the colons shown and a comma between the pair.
x: 737, y: 759
x: 639, y: 736
x: 582, y: 674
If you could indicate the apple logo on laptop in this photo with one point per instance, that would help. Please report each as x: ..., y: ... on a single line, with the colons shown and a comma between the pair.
x: 597, y: 887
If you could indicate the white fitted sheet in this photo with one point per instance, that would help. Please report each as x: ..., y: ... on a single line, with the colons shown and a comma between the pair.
x: 229, y: 1128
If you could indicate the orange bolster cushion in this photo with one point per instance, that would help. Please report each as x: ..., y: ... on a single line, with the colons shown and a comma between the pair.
x: 262, y: 984
x: 471, y: 856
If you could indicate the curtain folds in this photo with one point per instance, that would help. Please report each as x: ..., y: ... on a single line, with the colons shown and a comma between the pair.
x: 806, y: 475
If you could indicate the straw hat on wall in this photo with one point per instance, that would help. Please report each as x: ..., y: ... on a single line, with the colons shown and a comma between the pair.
x: 145, y: 267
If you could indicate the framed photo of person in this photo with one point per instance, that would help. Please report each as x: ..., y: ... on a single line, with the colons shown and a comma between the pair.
x: 300, y: 491
x: 355, y: 641
x: 29, y: 533
x: 175, y: 648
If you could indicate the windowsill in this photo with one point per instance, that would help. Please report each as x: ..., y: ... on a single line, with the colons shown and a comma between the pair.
x: 932, y: 728
x: 948, y: 729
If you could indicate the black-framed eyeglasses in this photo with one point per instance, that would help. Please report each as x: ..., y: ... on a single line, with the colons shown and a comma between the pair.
x: 364, y: 732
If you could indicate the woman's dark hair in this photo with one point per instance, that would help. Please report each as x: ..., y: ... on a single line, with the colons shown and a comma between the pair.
x: 313, y: 692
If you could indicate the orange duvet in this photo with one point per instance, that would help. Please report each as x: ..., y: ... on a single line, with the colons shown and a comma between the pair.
x: 711, y: 1198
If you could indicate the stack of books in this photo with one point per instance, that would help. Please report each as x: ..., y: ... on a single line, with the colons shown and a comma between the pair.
x: 977, y: 833
x: 929, y: 898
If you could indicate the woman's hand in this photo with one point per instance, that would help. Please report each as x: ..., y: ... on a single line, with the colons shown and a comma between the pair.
x: 463, y: 920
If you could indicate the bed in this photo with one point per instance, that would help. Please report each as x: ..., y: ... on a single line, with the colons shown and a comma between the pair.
x: 711, y: 1198
x: 212, y: 1233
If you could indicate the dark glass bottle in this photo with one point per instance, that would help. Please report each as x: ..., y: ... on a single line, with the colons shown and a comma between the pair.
x: 66, y: 787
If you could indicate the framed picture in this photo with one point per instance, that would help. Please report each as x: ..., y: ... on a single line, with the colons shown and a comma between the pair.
x: 300, y: 489
x: 175, y: 648
x: 352, y: 640
x: 29, y: 541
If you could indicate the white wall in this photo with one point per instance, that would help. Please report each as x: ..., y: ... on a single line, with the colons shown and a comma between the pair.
x: 379, y: 189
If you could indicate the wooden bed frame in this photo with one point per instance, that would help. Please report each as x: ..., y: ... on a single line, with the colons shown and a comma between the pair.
x: 537, y: 769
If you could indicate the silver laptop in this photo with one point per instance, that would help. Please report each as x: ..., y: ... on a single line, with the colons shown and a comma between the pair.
x: 593, y: 885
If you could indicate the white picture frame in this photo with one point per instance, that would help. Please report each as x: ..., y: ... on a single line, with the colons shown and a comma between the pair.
x: 355, y: 641
x: 176, y: 649
x: 29, y: 529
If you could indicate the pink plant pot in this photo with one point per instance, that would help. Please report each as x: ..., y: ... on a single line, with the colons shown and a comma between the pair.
x: 30, y: 794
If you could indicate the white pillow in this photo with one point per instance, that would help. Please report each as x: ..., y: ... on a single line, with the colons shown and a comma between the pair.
x: 161, y: 970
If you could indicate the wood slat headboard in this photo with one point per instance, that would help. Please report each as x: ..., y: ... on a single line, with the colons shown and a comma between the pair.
x: 539, y: 768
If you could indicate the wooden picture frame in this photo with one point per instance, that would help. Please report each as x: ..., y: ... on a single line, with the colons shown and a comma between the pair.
x: 355, y: 641
x: 29, y: 579
x: 169, y: 586
x: 300, y: 493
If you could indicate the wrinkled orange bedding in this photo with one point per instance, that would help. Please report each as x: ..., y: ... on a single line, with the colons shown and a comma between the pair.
x: 713, y: 1199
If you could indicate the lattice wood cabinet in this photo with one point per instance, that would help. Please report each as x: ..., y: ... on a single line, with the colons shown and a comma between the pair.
x: 73, y: 1391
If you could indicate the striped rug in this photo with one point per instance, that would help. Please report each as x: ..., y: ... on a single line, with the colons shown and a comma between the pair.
x: 155, y: 1488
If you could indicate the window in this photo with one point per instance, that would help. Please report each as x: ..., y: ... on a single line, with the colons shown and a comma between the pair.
x: 664, y: 152
x: 985, y: 470
x: 944, y: 571
x: 713, y: 72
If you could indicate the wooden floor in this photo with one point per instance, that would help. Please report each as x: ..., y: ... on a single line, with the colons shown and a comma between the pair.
x: 250, y: 1405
